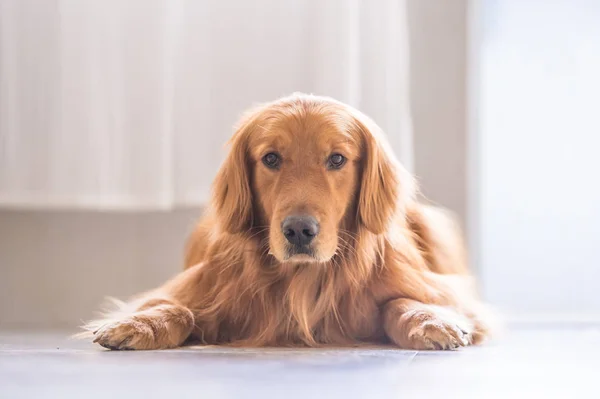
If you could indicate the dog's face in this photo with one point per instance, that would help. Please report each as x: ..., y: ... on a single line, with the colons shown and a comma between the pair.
x: 305, y: 176
x: 308, y: 171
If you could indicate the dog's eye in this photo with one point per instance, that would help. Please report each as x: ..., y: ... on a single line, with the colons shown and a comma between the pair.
x: 271, y: 160
x: 336, y: 161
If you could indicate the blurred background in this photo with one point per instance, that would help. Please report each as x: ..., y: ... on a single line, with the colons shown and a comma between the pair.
x: 114, y: 115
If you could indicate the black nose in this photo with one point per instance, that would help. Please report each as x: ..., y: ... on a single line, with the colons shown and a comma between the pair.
x: 300, y: 230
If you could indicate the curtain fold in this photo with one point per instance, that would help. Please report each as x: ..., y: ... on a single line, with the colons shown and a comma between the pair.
x: 127, y: 104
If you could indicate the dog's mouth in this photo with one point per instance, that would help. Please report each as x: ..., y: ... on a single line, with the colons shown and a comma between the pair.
x: 304, y: 253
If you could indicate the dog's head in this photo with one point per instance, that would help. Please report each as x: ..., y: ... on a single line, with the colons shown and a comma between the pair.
x: 309, y: 172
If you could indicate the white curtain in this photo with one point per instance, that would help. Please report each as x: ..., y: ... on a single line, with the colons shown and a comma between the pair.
x: 127, y: 104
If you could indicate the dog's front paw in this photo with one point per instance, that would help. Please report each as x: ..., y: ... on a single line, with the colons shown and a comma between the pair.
x: 412, y: 325
x: 437, y: 334
x: 127, y: 334
x: 157, y: 324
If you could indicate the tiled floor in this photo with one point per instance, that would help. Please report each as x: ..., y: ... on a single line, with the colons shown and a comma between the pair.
x: 545, y: 362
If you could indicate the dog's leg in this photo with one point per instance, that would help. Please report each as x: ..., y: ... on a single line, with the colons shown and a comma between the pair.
x: 414, y: 325
x: 161, y: 319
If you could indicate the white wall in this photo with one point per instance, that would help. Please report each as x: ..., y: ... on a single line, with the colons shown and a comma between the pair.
x: 539, y: 177
x: 57, y: 267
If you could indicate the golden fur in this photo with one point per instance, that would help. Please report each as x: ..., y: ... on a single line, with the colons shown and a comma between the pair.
x: 385, y: 268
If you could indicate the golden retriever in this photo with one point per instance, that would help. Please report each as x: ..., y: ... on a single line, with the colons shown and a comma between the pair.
x: 314, y: 237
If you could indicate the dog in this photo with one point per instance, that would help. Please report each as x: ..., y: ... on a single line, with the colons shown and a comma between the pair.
x: 314, y: 237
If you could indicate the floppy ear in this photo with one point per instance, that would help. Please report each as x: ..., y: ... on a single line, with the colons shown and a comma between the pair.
x: 386, y: 187
x: 232, y: 194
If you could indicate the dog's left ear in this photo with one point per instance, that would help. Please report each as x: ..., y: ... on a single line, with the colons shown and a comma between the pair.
x: 386, y: 187
x: 232, y: 193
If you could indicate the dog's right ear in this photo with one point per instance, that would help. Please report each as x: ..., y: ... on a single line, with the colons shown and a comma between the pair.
x: 232, y: 193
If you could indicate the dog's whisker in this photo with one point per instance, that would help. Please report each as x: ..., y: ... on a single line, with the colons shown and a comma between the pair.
x: 260, y: 231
